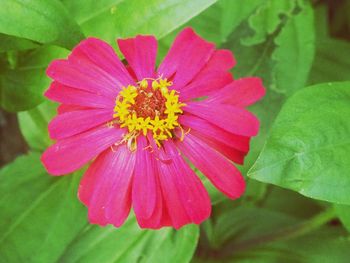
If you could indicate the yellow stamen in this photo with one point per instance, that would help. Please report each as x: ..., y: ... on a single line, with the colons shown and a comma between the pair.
x: 161, y: 127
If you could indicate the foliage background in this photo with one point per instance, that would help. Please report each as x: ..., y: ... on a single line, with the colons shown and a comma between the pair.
x: 296, y: 207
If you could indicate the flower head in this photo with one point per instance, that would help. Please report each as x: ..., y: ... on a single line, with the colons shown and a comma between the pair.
x: 141, y: 127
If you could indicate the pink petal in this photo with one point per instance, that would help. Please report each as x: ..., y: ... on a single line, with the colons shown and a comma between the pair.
x: 119, y: 203
x: 84, y: 76
x: 63, y: 108
x: 75, y: 122
x: 172, y: 196
x: 106, y: 186
x: 205, y: 128
x: 193, y: 195
x: 207, y: 84
x: 187, y: 56
x: 155, y: 221
x: 95, y: 52
x: 233, y: 119
x: 225, y: 176
x: 72, y: 153
x: 140, y: 52
x: 144, y: 183
x: 242, y: 92
x: 221, y: 60
x: 226, y: 150
x: 67, y: 95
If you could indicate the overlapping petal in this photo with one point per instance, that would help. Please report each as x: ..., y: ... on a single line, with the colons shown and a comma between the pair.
x: 71, y: 96
x: 230, y: 118
x: 130, y: 170
x: 75, y: 122
x: 225, y: 176
x: 70, y: 154
x: 187, y: 56
x: 141, y: 53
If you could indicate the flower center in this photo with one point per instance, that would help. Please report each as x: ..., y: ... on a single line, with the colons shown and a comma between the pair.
x: 148, y: 108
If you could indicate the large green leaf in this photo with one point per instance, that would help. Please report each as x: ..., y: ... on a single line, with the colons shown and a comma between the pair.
x: 40, y: 21
x: 295, y: 51
x: 307, y: 150
x: 267, y: 18
x: 22, y: 88
x: 130, y: 244
x: 39, y: 213
x: 41, y: 220
x: 216, y: 23
x: 132, y: 17
x: 239, y: 225
x: 332, y: 61
x: 233, y: 13
x: 343, y: 211
x: 33, y: 124
x: 326, y: 245
x: 11, y: 43
x: 84, y: 11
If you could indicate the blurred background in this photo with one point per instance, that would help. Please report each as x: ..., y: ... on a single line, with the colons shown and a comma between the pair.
x: 290, y: 44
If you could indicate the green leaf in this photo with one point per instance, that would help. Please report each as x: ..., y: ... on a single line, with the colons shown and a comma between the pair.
x: 326, y: 246
x: 40, y: 214
x: 239, y: 224
x: 332, y: 55
x: 307, y: 150
x: 10, y: 43
x: 22, y: 88
x: 267, y: 18
x: 332, y: 61
x: 42, y: 220
x: 40, y: 21
x: 84, y: 11
x: 224, y: 14
x: 132, y: 17
x: 233, y: 13
x: 295, y: 51
x: 130, y: 244
x: 33, y: 124
x: 343, y: 211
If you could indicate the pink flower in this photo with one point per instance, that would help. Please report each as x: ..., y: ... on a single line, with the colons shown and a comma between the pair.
x: 141, y: 126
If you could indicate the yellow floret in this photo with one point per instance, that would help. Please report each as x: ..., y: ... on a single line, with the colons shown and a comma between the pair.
x: 161, y: 129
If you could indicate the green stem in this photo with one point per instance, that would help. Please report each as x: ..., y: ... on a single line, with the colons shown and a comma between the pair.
x: 282, y: 234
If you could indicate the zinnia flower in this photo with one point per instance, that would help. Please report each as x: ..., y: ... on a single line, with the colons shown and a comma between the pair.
x: 142, y: 126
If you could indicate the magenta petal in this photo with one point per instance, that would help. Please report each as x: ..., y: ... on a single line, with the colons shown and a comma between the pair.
x: 221, y: 60
x: 233, y: 119
x: 242, y: 92
x: 64, y: 108
x: 209, y: 83
x: 155, y: 220
x: 108, y: 178
x: 172, y: 196
x: 75, y: 122
x: 72, y: 153
x: 95, y: 52
x: 67, y: 95
x: 144, y: 183
x: 84, y: 77
x: 119, y: 201
x: 223, y: 148
x: 141, y: 53
x: 187, y: 56
x: 225, y: 176
x: 193, y: 195
x: 204, y: 128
